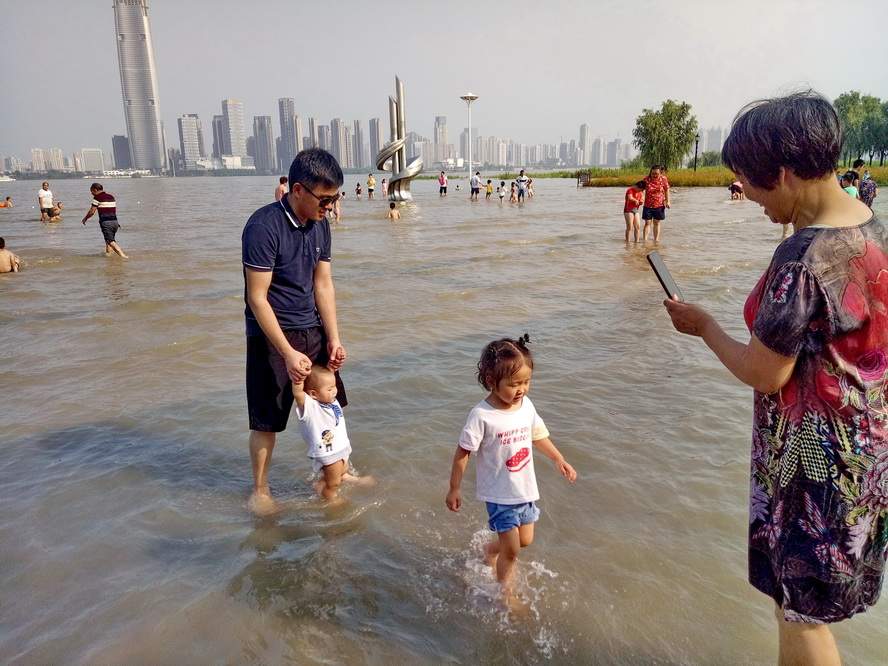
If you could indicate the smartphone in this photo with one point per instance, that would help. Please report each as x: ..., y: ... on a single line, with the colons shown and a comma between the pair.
x: 663, y: 275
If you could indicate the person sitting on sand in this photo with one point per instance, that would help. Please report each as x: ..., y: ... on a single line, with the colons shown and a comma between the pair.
x: 7, y: 203
x: 55, y: 213
x: 322, y: 425
x: 394, y: 213
x: 9, y: 263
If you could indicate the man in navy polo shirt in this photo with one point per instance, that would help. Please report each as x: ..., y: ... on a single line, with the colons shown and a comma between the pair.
x: 291, y: 304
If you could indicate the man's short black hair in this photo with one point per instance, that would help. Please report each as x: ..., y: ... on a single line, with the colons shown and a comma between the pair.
x: 315, y: 167
x: 2, y: 243
x: 96, y: 186
x: 857, y: 164
x: 283, y: 179
x: 800, y: 131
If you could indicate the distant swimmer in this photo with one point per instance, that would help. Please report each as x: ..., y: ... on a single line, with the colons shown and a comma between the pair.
x: 9, y: 263
x: 371, y: 185
x: 7, y: 203
x: 44, y: 201
x: 394, y: 213
x: 105, y: 204
x: 736, y: 189
x: 55, y: 214
x: 281, y: 190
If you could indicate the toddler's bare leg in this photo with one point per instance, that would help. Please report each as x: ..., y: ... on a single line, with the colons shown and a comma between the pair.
x: 509, y: 545
x: 333, y: 479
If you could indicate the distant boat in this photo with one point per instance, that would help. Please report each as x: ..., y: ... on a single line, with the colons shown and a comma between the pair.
x: 6, y: 179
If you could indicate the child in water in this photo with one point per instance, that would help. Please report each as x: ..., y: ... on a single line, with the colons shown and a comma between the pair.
x: 394, y: 213
x: 513, y: 195
x: 322, y: 425
x: 502, y: 190
x: 502, y: 428
x: 489, y: 191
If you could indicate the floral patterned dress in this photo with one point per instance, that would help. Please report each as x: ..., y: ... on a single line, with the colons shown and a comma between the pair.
x: 818, y: 532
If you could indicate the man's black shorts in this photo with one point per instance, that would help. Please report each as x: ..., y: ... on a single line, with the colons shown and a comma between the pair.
x: 442, y: 189
x: 653, y: 213
x: 109, y: 230
x: 269, y: 389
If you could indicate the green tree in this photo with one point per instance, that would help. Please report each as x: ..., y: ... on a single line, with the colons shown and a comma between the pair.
x: 665, y: 136
x: 860, y: 116
x: 710, y: 158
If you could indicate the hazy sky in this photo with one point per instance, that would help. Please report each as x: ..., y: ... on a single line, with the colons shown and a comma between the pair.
x: 540, y: 68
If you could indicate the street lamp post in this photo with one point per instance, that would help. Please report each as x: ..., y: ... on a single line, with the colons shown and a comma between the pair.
x: 696, y: 145
x: 468, y: 98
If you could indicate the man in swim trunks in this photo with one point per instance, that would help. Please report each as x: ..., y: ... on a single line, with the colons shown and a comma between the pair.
x: 105, y: 204
x: 290, y: 305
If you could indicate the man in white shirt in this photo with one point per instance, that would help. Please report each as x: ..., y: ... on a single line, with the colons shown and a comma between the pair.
x: 522, y: 185
x: 44, y: 201
x: 475, y: 184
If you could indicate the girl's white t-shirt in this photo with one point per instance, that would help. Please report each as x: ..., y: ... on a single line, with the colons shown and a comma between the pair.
x: 504, y: 442
x: 323, y: 429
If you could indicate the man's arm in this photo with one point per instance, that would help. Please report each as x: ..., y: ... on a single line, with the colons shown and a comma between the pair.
x: 258, y: 283
x: 92, y: 211
x: 325, y: 300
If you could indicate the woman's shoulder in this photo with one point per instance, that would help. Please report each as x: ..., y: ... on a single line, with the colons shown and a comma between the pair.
x: 824, y: 250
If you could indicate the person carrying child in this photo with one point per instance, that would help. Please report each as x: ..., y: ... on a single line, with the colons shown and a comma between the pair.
x: 322, y: 425
x: 502, y: 429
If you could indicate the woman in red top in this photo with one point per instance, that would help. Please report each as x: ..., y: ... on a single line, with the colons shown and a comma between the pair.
x: 634, y: 199
x: 656, y: 201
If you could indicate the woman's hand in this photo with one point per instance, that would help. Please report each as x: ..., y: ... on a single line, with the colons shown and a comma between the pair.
x: 688, y: 318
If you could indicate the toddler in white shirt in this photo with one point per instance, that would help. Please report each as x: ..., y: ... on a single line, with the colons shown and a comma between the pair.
x: 322, y: 425
x: 502, y: 429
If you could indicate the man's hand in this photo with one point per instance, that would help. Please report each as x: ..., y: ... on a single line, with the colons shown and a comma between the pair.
x: 687, y: 318
x: 454, y: 499
x: 337, y: 355
x: 298, y: 365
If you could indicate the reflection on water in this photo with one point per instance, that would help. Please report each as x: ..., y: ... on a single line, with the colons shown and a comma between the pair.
x: 122, y: 488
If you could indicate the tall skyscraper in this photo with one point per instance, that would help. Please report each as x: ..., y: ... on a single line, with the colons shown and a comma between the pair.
x: 218, y: 136
x: 138, y: 83
x: 55, y: 159
x: 585, y: 145
x: 324, y: 141
x: 92, y: 160
x: 348, y: 148
x: 313, y: 137
x: 300, y: 140
x: 375, y: 139
x: 338, y: 140
x: 358, y: 140
x: 714, y: 139
x: 123, y: 158
x: 264, y: 136
x: 289, y: 137
x: 234, y: 133
x: 190, y: 140
x: 439, y: 139
x: 38, y: 161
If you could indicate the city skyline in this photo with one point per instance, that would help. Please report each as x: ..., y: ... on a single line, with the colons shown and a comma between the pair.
x: 733, y: 61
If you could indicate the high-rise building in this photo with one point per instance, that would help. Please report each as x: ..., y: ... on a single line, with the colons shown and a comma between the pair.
x: 123, y: 159
x: 596, y: 157
x: 78, y: 163
x: 38, y: 161
x: 138, y: 83
x: 439, y: 139
x: 714, y: 139
x: 358, y: 151
x: 348, y: 148
x: 234, y: 132
x: 190, y: 141
x: 323, y: 139
x: 264, y: 137
x: 613, y: 152
x: 585, y: 146
x: 218, y: 136
x: 375, y: 139
x: 55, y: 159
x: 300, y: 140
x: 314, y: 138
x: 337, y: 136
x: 92, y: 160
x: 463, y: 142
x: 289, y: 136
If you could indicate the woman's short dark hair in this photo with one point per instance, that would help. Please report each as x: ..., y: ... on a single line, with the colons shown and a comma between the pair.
x: 857, y: 164
x: 315, y: 167
x: 800, y: 132
x: 283, y: 179
x: 641, y: 185
x: 654, y: 166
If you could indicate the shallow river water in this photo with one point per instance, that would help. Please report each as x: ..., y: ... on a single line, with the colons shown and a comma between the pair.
x: 124, y: 470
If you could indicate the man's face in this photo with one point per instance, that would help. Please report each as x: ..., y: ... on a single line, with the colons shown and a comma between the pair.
x: 45, y: 186
x: 309, y: 204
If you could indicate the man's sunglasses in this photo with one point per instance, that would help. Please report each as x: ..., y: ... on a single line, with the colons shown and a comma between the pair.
x: 323, y: 202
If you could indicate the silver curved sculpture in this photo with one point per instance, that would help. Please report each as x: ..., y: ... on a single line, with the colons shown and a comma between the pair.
x: 393, y: 155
